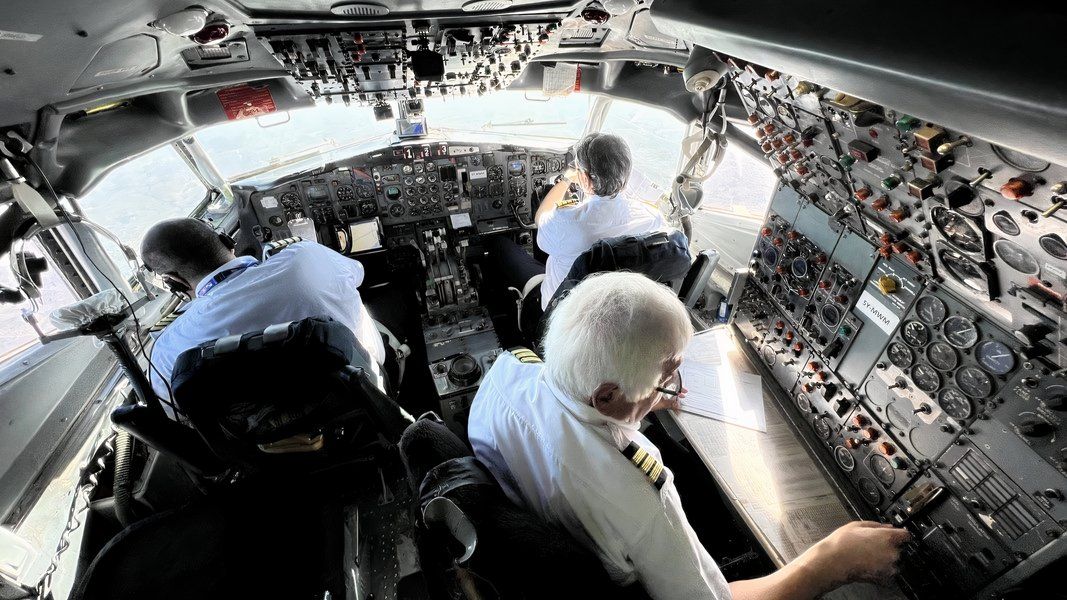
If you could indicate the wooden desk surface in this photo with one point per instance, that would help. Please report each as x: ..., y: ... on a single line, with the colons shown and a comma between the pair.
x: 776, y: 487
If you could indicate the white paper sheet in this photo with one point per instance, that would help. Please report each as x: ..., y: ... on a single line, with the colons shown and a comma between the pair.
x: 717, y: 391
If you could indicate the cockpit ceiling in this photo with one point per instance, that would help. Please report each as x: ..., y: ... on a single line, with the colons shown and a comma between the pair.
x: 397, y: 9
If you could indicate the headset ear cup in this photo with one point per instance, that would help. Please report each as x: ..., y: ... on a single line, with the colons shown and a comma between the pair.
x: 227, y: 241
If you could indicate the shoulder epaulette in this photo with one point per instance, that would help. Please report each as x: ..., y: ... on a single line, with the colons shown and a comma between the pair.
x: 278, y: 245
x: 165, y: 320
x: 525, y: 355
x: 648, y: 464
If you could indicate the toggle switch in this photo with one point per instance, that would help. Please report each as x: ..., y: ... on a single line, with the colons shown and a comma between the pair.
x: 948, y: 147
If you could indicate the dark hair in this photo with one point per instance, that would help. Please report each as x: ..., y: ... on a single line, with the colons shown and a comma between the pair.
x: 187, y: 247
x: 606, y: 159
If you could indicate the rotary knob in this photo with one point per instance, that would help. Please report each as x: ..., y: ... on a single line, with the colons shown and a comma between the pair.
x: 464, y: 370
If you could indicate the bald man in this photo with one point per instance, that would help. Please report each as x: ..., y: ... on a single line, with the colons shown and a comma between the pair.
x: 235, y: 295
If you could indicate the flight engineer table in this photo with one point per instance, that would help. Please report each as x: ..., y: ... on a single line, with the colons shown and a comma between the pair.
x: 779, y: 490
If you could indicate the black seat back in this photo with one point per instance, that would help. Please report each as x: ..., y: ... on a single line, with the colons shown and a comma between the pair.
x: 295, y: 395
x: 661, y: 256
x: 516, y: 554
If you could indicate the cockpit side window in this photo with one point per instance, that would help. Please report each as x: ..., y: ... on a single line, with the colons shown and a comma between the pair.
x: 155, y: 186
x: 655, y: 139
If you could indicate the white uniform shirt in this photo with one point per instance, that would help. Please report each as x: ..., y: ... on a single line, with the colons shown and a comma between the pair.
x: 303, y: 280
x: 567, y: 232
x: 561, y: 459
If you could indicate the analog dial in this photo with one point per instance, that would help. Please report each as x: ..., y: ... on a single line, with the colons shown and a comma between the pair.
x: 955, y: 404
x: 881, y: 468
x: 1016, y: 257
x: 915, y: 333
x: 900, y: 355
x: 844, y: 458
x: 958, y: 229
x: 961, y: 332
x: 942, y: 356
x: 930, y: 310
x: 926, y: 378
x: 995, y: 357
x: 974, y: 382
x: 1005, y: 223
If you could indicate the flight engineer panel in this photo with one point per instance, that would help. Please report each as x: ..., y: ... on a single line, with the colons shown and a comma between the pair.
x: 907, y: 293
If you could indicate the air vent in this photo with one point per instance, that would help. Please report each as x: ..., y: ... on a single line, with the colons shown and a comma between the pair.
x: 486, y: 5
x: 1009, y: 514
x: 360, y: 9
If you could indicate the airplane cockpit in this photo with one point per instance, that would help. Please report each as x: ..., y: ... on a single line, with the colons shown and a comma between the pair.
x: 866, y: 233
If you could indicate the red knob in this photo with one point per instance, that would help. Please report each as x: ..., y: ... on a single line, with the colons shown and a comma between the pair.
x: 760, y: 134
x: 1016, y: 189
x: 766, y: 147
x: 765, y: 232
x: 789, y: 138
x: 753, y: 119
x: 779, y: 325
x: 769, y: 128
x: 860, y: 421
x: 802, y: 292
x: 822, y: 376
x: 777, y: 144
x: 824, y: 284
x: 802, y: 170
x: 897, y: 216
x: 887, y: 449
x: 789, y: 335
x: 796, y: 155
x: 779, y: 270
x: 880, y: 204
x: 852, y: 443
x: 821, y: 258
x: 798, y: 347
x: 808, y: 388
x: 783, y: 158
x: 914, y: 256
x: 870, y: 433
x: 841, y: 299
x: 813, y: 366
x: 886, y: 239
x: 863, y: 193
x: 778, y: 242
x: 886, y: 251
x: 792, y: 234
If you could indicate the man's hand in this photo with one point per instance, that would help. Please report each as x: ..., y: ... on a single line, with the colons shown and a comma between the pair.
x: 861, y: 551
x: 667, y: 402
x: 571, y: 175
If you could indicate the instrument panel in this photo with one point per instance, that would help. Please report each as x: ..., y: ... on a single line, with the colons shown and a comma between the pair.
x: 478, y: 187
x: 907, y: 293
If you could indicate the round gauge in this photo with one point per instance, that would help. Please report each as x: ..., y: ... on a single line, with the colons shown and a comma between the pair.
x: 831, y: 314
x: 931, y: 310
x: 804, y: 402
x: 964, y: 271
x: 290, y: 200
x: 961, y: 332
x: 409, y: 192
x: 769, y: 355
x: 431, y: 166
x: 955, y: 404
x: 1054, y: 245
x: 925, y: 378
x: 1023, y: 162
x: 869, y: 490
x: 844, y: 459
x: 770, y: 256
x: 407, y: 169
x: 432, y: 178
x: 822, y: 427
x: 420, y: 179
x: 974, y: 382
x: 915, y: 333
x: 900, y: 355
x: 879, y: 465
x: 995, y: 357
x: 345, y: 192
x: 767, y: 106
x: 785, y: 113
x: 942, y: 356
x: 1005, y: 222
x: 409, y: 181
x: 839, y: 188
x: 365, y: 192
x: 956, y: 228
x: 1015, y: 257
x: 800, y: 267
x: 396, y: 210
x: 746, y: 94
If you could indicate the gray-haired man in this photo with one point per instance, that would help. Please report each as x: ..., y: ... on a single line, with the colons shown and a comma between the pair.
x: 563, y: 440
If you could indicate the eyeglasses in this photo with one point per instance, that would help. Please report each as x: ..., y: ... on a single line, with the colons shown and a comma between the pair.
x: 676, y: 378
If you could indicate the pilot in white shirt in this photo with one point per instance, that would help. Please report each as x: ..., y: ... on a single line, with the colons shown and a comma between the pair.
x: 602, y: 169
x: 236, y: 295
x: 562, y: 439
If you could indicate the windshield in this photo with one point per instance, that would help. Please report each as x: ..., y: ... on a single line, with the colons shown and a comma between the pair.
x: 312, y: 136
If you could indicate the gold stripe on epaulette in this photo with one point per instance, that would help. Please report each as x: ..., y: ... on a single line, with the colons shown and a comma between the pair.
x: 162, y: 323
x: 525, y: 355
x: 648, y: 464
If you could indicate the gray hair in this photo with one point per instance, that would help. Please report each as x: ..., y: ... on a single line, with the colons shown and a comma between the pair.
x: 606, y: 158
x: 614, y: 328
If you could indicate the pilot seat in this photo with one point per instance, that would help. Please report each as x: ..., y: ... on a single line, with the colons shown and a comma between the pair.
x: 475, y: 543
x: 296, y: 395
x: 662, y: 256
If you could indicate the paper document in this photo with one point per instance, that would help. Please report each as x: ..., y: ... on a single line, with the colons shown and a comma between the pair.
x: 717, y: 391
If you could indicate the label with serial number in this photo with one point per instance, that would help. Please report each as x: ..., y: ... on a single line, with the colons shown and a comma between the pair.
x: 874, y: 310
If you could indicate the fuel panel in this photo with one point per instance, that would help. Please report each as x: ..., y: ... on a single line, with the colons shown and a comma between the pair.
x: 907, y: 293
